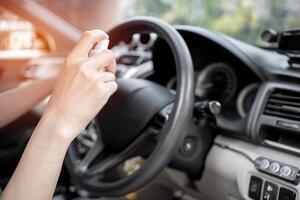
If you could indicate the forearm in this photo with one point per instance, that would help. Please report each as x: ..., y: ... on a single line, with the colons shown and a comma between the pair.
x: 16, y: 102
x: 82, y: 89
x: 38, y: 170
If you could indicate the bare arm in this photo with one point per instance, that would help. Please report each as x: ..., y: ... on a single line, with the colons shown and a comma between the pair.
x: 16, y: 102
x: 87, y: 82
x: 38, y: 170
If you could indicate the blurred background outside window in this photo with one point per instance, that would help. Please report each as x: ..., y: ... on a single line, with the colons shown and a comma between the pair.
x: 242, y: 19
x: 18, y: 34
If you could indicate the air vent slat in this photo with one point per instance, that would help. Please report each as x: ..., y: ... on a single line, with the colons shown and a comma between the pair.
x: 284, y: 115
x: 284, y: 108
x: 284, y: 104
x: 287, y: 97
x: 281, y: 102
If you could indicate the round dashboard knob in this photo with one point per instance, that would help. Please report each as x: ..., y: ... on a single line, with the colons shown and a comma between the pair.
x: 214, y: 107
x: 274, y: 167
x: 285, y: 171
x: 264, y: 164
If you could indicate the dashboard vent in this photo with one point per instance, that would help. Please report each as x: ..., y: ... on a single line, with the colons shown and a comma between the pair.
x: 284, y: 104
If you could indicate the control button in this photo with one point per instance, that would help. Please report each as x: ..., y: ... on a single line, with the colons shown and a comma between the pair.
x: 270, y: 191
x: 274, y: 167
x: 281, y: 170
x: 255, y: 187
x: 294, y: 174
x: 188, y: 147
x: 285, y: 171
x: 286, y: 194
x: 264, y: 164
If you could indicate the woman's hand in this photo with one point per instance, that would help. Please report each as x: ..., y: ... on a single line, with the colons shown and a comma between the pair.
x: 83, y: 87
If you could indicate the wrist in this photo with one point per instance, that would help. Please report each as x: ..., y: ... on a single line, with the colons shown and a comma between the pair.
x: 56, y: 130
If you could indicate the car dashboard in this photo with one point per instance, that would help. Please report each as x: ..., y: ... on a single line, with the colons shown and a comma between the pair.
x: 258, y: 127
x: 224, y: 72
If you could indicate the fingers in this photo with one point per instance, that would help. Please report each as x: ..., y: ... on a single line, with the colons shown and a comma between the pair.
x: 105, y: 90
x: 87, y: 42
x: 105, y: 61
x: 106, y: 77
x: 110, y: 87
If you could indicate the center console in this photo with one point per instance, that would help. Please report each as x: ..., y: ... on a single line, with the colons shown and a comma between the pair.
x: 275, y: 118
x: 274, y: 122
x: 267, y: 166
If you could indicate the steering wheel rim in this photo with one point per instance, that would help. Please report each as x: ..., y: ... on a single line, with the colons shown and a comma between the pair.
x: 173, y: 132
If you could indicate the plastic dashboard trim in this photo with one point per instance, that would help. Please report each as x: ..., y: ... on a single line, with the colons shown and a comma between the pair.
x: 253, y: 125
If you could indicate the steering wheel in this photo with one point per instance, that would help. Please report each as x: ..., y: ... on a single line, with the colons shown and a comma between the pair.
x: 141, y: 118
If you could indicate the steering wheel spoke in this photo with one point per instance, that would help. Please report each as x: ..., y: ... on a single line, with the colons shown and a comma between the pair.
x: 159, y: 120
x: 91, y: 155
x: 112, y: 161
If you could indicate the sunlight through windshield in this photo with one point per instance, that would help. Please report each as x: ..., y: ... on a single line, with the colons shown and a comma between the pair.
x: 242, y: 19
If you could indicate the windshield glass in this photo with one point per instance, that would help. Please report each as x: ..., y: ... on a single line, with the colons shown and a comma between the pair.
x: 242, y: 19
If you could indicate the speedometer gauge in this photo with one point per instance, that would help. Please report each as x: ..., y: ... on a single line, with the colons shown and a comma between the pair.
x: 216, y: 81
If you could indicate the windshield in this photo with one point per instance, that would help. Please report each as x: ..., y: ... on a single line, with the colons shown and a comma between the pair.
x: 242, y: 19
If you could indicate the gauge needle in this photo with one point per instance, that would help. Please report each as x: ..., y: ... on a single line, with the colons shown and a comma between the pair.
x: 206, y: 85
x: 203, y: 88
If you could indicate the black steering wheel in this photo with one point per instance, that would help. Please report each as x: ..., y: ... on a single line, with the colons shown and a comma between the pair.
x: 141, y: 118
